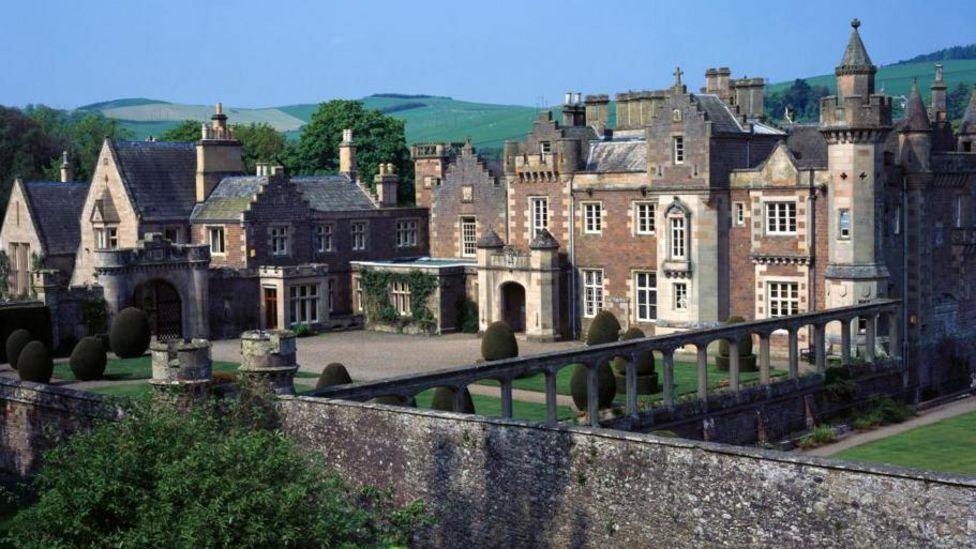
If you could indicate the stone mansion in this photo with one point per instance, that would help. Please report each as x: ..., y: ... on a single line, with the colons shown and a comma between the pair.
x: 673, y: 209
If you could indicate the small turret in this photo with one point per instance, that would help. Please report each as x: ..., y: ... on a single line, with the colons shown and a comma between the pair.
x: 967, y: 130
x: 915, y: 134
x: 855, y: 74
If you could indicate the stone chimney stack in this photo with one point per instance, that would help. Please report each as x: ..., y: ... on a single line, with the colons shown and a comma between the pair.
x: 574, y: 113
x: 938, y: 89
x: 67, y: 172
x: 596, y: 111
x: 749, y: 96
x: 218, y: 154
x: 347, y: 155
x: 386, y: 186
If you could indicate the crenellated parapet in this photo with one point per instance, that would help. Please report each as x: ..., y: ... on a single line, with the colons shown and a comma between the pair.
x: 855, y: 119
x: 153, y: 251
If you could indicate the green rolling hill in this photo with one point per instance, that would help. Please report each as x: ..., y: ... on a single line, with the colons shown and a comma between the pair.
x: 431, y: 118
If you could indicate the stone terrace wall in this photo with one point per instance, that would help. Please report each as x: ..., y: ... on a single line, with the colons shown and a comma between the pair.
x: 508, y: 483
x: 34, y: 417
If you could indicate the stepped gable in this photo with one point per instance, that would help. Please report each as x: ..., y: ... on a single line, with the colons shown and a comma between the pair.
x: 159, y: 176
x: 56, y: 208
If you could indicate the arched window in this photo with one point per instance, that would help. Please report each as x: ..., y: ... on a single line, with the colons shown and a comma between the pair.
x: 676, y: 115
x: 679, y: 230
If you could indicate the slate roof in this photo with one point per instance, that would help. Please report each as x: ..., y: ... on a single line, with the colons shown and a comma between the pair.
x: 628, y: 155
x: 228, y: 199
x: 160, y: 177
x: 856, y: 55
x: 544, y: 241
x: 490, y: 239
x: 333, y: 193
x: 721, y: 116
x: 56, y: 210
x: 808, y: 146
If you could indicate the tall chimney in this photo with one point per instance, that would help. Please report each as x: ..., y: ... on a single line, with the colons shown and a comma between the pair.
x: 347, y: 155
x: 218, y: 154
x: 386, y: 186
x: 67, y: 172
x: 938, y: 108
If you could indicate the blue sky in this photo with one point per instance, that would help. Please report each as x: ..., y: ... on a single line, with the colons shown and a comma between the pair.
x: 256, y: 53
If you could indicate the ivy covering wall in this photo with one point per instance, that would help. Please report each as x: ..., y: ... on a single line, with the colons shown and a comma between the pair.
x: 376, y: 298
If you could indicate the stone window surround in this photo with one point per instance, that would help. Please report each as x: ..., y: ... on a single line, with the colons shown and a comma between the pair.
x: 415, y: 230
x: 321, y: 235
x: 652, y: 218
x: 308, y: 304
x: 768, y: 202
x: 678, y: 149
x: 652, y: 290
x: 598, y: 291
x: 534, y: 223
x: 739, y: 214
x: 598, y: 219
x: 680, y: 300
x: 468, y: 221
x: 104, y: 235
x: 790, y: 301
x: 211, y: 229
x: 353, y: 233
x: 842, y: 232
x: 678, y: 250
x: 400, y: 297
x: 285, y: 236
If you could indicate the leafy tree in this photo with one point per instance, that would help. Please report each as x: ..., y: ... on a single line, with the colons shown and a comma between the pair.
x: 25, y: 149
x: 378, y: 138
x: 81, y: 133
x: 166, y: 476
x: 187, y: 130
x: 957, y: 100
x: 261, y: 143
x: 802, y: 99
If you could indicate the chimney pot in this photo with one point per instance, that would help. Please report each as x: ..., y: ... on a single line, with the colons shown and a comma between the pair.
x: 567, y: 98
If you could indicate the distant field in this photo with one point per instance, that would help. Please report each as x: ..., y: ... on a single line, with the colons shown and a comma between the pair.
x: 446, y: 119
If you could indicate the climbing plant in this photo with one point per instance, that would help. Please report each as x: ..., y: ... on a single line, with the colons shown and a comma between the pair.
x: 94, y: 313
x: 376, y: 297
x: 4, y: 274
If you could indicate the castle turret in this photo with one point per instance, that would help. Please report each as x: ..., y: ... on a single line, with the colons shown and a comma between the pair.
x: 67, y: 171
x: 218, y: 154
x: 855, y: 124
x: 967, y: 130
x: 855, y: 74
x: 347, y: 155
x: 915, y: 134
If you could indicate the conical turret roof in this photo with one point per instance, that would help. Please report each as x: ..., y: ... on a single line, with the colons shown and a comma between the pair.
x: 968, y: 125
x: 856, y: 55
x: 916, y: 118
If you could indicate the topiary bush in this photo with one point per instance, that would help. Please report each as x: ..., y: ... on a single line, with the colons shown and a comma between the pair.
x: 647, y: 378
x: 498, y: 342
x: 444, y: 400
x: 603, y: 329
x: 35, y: 364
x: 16, y: 341
x: 747, y: 360
x: 607, y: 386
x: 333, y: 374
x: 130, y: 333
x: 88, y: 359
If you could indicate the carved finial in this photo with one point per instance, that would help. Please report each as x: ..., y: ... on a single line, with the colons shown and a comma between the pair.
x: 64, y: 158
x: 855, y: 23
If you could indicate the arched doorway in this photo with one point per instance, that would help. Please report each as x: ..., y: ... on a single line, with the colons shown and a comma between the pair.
x: 160, y: 300
x: 513, y: 305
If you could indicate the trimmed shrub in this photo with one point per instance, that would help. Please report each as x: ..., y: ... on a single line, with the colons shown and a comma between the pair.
x: 647, y: 378
x: 35, y: 364
x: 130, y: 333
x: 16, y: 341
x: 603, y: 329
x: 302, y: 330
x: 33, y: 317
x: 499, y: 342
x: 88, y: 359
x: 607, y: 386
x: 747, y: 360
x: 333, y: 374
x: 444, y: 400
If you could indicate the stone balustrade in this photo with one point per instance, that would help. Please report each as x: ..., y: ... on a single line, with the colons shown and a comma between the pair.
x: 884, y: 311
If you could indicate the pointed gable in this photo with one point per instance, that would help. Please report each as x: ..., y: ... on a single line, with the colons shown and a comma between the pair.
x: 105, y: 210
x: 160, y: 177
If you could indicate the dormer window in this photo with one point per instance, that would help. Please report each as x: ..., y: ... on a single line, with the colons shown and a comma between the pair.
x: 106, y: 238
x: 678, y: 149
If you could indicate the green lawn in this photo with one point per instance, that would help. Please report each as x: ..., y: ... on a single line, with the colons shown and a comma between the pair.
x: 948, y: 445
x: 685, y: 380
x: 119, y: 369
x: 492, y: 406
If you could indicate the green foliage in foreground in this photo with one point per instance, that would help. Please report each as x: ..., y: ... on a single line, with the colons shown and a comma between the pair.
x: 948, y: 445
x: 201, y: 477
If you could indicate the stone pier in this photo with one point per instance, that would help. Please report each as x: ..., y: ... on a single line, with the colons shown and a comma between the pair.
x: 181, y: 367
x: 268, y: 356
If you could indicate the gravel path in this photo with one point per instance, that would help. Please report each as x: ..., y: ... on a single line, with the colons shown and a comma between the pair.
x: 927, y: 417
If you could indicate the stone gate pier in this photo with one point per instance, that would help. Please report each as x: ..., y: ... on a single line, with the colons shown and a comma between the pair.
x: 181, y: 367
x: 268, y: 356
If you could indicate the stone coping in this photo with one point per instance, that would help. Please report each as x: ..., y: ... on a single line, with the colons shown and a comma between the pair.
x: 710, y: 447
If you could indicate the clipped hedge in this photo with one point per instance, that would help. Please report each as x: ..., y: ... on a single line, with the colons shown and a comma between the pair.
x: 607, y: 386
x: 35, y: 364
x: 747, y: 360
x: 604, y: 329
x: 444, y: 400
x: 16, y: 342
x: 499, y: 342
x: 333, y: 374
x: 130, y: 333
x: 88, y: 359
x: 33, y: 317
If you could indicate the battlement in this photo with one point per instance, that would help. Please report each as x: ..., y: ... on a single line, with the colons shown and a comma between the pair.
x: 294, y: 271
x: 855, y: 113
x: 537, y: 166
x: 152, y: 250
x: 435, y: 150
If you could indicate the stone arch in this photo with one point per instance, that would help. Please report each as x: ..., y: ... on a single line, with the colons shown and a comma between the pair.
x: 163, y: 303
